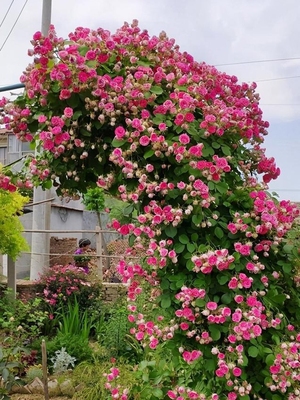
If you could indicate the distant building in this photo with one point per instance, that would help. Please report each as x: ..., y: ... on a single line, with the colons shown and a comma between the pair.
x: 12, y: 149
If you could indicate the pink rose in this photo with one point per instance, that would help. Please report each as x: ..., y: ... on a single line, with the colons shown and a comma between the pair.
x: 144, y: 140
x: 68, y: 112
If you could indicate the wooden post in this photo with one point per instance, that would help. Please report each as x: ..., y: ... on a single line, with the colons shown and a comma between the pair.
x: 11, y: 276
x: 99, y: 252
x: 45, y: 369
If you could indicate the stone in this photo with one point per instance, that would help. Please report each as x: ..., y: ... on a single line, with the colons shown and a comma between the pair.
x: 67, y: 388
x: 36, y: 386
x: 53, y: 388
x: 21, y: 389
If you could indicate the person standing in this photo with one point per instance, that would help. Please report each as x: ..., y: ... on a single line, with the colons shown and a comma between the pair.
x: 81, y: 256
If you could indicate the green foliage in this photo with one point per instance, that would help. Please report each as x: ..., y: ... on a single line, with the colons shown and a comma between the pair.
x: 74, y: 321
x: 62, y: 361
x: 74, y: 345
x: 9, y: 370
x: 120, y: 210
x: 21, y: 320
x: 91, y: 378
x: 34, y: 371
x: 94, y: 199
x: 11, y: 240
x: 111, y: 333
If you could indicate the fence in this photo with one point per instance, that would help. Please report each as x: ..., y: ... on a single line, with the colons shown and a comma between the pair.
x: 99, y: 256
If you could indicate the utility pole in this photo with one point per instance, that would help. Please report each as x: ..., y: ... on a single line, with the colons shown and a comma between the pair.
x: 46, y: 16
x: 40, y: 243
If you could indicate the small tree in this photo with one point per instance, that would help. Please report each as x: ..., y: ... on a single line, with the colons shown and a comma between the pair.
x: 11, y: 240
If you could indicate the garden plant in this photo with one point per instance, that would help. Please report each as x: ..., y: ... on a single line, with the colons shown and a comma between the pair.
x: 182, y: 144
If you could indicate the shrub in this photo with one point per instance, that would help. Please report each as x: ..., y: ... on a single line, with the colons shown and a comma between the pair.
x: 92, y: 379
x: 62, y: 284
x: 74, y: 345
x: 24, y: 321
x: 62, y: 361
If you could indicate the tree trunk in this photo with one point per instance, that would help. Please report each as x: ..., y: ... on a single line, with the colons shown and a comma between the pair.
x: 105, y: 251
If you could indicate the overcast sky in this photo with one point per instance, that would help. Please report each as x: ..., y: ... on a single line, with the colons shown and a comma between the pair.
x: 219, y: 32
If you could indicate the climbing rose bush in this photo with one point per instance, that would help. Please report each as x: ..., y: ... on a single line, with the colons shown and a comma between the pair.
x: 182, y: 143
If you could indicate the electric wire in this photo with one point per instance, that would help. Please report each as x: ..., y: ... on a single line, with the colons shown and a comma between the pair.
x: 15, y: 23
x: 4, y: 18
x: 258, y: 61
x: 278, y: 79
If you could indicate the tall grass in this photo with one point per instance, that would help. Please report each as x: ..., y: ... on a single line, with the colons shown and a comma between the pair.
x: 75, y: 322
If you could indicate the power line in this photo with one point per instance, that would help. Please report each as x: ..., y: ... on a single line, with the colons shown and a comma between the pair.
x: 278, y: 79
x: 285, y: 190
x: 4, y: 18
x: 258, y: 61
x: 280, y: 104
x: 15, y: 23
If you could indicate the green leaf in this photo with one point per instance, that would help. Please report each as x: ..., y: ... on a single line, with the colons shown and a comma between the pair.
x: 183, y: 239
x: 222, y: 187
x: 55, y: 87
x: 267, y: 350
x: 91, y: 63
x: 270, y: 359
x: 218, y: 232
x: 47, y: 184
x: 276, y: 397
x: 76, y: 115
x: 226, y: 298
x: 287, y: 268
x: 179, y: 283
x: 158, y: 393
x: 148, y: 154
x: 211, y: 185
x: 222, y: 279
x: 253, y: 351
x: 207, y: 151
x: 164, y: 284
x: 156, y: 90
x: 197, y: 219
x: 171, y: 231
x: 5, y: 374
x: 165, y: 302
x: 214, y: 332
x: 128, y: 210
x: 288, y: 248
x: 192, y: 131
x: 226, y: 150
x: 179, y: 248
x: 276, y: 339
x: 200, y: 302
x: 82, y: 50
x: 194, y: 237
x: 215, y: 145
x: 118, y: 143
x: 210, y: 364
x: 191, y: 247
x: 159, y: 118
x: 190, y: 265
x: 144, y: 63
x: 245, y: 361
x: 278, y: 299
